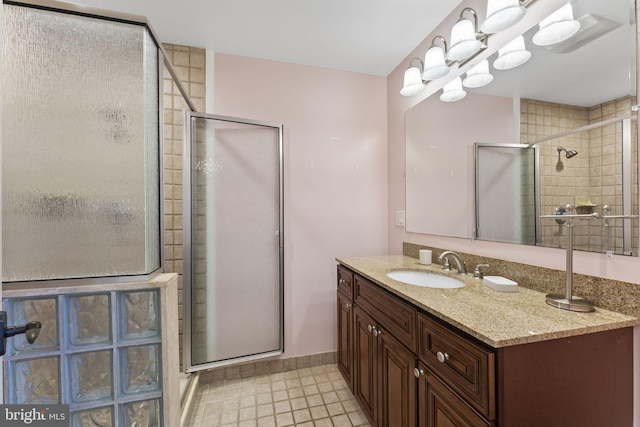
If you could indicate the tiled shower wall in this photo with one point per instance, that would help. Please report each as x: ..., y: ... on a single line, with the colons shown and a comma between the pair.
x: 594, y: 173
x: 189, y: 63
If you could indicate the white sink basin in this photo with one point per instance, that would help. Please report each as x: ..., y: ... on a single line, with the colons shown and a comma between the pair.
x: 426, y: 279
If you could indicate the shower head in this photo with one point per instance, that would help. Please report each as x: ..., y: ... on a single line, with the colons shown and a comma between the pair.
x: 568, y: 153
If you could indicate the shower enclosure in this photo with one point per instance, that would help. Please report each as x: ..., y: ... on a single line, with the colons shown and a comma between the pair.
x: 82, y: 206
x: 517, y: 183
x: 507, y: 188
x: 233, y: 221
x: 80, y: 143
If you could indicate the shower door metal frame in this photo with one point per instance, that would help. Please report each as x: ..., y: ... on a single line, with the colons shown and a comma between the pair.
x: 536, y: 184
x: 187, y: 254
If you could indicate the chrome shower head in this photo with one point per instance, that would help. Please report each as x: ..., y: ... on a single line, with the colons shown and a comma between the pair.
x: 568, y: 153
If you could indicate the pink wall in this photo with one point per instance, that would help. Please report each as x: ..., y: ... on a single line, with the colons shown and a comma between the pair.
x: 335, y: 177
x: 619, y: 268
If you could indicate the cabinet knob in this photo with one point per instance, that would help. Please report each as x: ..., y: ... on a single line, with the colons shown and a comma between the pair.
x: 442, y: 357
x: 342, y: 282
x: 370, y: 328
x: 417, y: 372
x: 347, y: 306
x: 376, y: 332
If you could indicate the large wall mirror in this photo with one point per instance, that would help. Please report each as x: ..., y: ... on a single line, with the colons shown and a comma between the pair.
x: 467, y: 162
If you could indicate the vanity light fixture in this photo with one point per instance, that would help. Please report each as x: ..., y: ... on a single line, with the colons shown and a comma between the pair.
x: 512, y: 55
x: 466, y: 40
x: 413, y: 83
x: 435, y: 65
x: 501, y: 14
x: 453, y: 91
x: 556, y: 27
x: 478, y: 76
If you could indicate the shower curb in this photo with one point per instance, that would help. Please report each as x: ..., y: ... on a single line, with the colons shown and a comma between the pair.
x: 189, y: 401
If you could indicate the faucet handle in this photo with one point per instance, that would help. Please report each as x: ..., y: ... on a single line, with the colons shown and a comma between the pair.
x: 478, y: 273
x: 445, y: 264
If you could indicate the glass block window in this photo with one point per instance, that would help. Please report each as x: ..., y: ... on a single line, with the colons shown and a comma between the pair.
x: 99, y: 353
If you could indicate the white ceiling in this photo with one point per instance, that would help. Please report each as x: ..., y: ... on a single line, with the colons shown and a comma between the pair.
x: 364, y: 36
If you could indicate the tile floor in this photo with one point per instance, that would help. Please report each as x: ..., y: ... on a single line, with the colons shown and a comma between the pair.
x: 308, y: 397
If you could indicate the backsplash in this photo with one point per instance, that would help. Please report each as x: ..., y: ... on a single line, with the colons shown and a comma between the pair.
x: 622, y: 297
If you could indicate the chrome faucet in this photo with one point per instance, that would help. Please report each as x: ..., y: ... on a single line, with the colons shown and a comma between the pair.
x: 460, y: 265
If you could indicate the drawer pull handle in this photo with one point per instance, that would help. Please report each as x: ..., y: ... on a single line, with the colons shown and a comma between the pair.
x: 376, y: 333
x: 442, y: 357
x: 418, y: 372
x: 370, y: 328
x: 348, y: 306
x: 343, y: 282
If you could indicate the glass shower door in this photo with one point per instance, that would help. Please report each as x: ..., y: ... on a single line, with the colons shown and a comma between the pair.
x: 233, y: 258
x: 506, y: 184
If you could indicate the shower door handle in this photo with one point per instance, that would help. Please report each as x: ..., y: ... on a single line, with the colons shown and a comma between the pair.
x: 31, y: 330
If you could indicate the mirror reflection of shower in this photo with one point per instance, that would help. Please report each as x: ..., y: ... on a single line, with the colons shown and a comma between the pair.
x: 568, y: 153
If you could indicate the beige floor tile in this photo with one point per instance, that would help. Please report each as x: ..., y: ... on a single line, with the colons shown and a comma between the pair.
x: 335, y: 409
x: 301, y: 416
x: 330, y: 397
x: 267, y: 422
x: 283, y: 406
x: 326, y: 422
x: 284, y: 419
x: 314, y: 396
x: 295, y: 392
x: 247, y: 413
x: 319, y: 412
x: 280, y: 395
x: 341, y: 421
x: 315, y: 400
x: 298, y: 403
x: 310, y: 389
x: 263, y: 398
x: 264, y: 410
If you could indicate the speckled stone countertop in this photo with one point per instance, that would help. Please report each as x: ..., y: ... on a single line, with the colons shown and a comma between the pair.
x: 499, y: 319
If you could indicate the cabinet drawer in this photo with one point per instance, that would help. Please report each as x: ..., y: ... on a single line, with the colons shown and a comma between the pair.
x: 439, y: 406
x: 345, y: 281
x: 467, y: 368
x: 394, y: 315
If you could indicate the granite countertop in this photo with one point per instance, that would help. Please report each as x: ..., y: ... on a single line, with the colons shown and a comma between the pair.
x: 499, y: 319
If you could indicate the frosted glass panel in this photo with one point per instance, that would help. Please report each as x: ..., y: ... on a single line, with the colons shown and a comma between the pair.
x: 80, y: 147
x: 235, y: 194
x: 505, y: 177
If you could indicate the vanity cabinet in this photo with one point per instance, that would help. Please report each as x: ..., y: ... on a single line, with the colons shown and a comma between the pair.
x: 439, y: 406
x: 383, y: 378
x: 465, y: 366
x: 345, y: 324
x: 456, y: 378
x: 409, y: 368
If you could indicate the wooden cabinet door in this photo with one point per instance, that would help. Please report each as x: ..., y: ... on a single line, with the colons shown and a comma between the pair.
x: 365, y: 374
x: 397, y: 388
x: 345, y: 338
x: 438, y: 406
